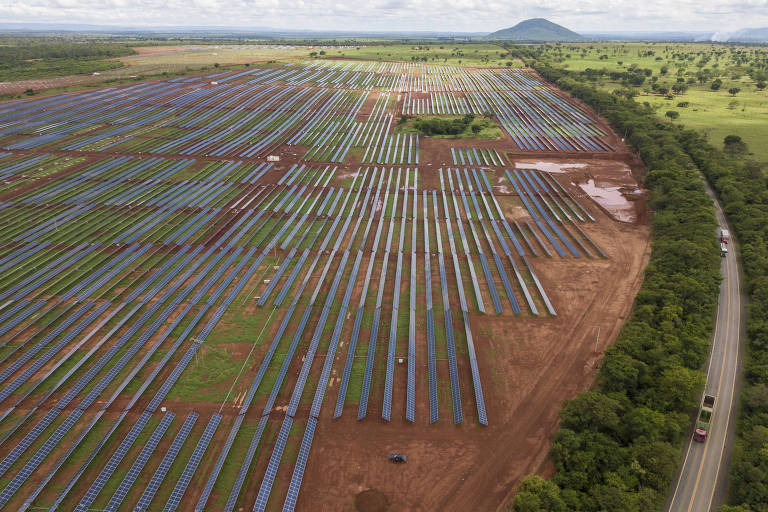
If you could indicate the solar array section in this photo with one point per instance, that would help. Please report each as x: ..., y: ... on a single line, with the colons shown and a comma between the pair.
x: 155, y: 223
x: 114, y: 461
x: 146, y: 452
x: 194, y: 460
x: 476, y: 156
x: 165, y: 465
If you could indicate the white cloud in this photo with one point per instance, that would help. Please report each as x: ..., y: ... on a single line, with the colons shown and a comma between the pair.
x: 394, y: 15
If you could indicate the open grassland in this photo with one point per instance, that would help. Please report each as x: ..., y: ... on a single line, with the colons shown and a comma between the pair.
x: 176, y: 58
x: 139, y: 63
x: 692, y: 67
x: 446, y: 53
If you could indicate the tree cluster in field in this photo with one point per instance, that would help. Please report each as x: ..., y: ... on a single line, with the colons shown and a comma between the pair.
x: 619, y: 445
x: 33, y: 57
x: 702, y: 66
x: 456, y: 126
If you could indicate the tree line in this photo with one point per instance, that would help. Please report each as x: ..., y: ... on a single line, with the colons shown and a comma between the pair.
x: 742, y: 188
x: 618, y: 445
x: 34, y: 57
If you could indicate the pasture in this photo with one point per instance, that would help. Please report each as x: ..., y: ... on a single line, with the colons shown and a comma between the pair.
x: 716, y: 113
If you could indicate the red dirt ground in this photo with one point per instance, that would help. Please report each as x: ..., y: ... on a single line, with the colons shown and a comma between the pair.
x: 529, y: 365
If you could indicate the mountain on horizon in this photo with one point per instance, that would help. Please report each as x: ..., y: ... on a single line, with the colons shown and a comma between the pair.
x: 536, y: 29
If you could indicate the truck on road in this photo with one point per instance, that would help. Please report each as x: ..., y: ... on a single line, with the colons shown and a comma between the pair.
x: 724, y: 236
x: 704, y: 420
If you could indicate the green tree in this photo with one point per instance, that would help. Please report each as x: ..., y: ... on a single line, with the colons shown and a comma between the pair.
x: 716, y: 84
x: 538, y: 495
x: 681, y: 386
x: 591, y: 411
x: 672, y: 114
x: 733, y: 145
x: 733, y: 91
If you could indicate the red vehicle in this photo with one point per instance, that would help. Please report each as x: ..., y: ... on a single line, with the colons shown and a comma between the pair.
x: 705, y: 419
x: 724, y: 236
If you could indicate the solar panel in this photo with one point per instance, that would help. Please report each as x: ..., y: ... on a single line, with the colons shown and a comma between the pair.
x: 453, y: 371
x: 301, y: 463
x: 133, y: 473
x: 367, y: 376
x: 165, y: 465
x: 194, y: 460
x: 106, y: 472
x: 43, y: 360
x: 274, y: 461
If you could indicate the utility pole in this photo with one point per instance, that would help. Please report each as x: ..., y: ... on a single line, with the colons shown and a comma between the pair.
x: 197, y: 352
x: 597, y: 339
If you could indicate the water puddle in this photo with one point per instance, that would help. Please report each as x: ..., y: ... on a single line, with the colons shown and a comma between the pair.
x: 550, y: 166
x: 612, y: 199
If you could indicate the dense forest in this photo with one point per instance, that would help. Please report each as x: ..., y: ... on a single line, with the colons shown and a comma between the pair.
x: 37, y: 57
x: 619, y: 445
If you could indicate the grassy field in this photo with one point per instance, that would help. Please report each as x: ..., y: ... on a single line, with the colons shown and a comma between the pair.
x: 450, y: 54
x: 715, y: 112
x: 61, y: 75
x: 174, y: 58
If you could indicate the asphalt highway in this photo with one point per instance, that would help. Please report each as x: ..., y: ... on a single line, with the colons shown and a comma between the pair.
x: 702, y: 479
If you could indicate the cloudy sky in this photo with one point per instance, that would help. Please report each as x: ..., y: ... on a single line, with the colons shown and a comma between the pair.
x: 437, y: 15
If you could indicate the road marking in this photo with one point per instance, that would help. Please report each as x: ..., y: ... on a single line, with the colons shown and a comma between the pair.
x: 718, y: 323
x: 719, y: 384
x: 733, y: 387
x: 690, y: 444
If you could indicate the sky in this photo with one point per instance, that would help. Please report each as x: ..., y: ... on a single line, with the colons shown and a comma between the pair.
x: 399, y: 15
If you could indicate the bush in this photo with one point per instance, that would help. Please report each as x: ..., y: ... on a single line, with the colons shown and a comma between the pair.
x: 733, y: 145
x: 440, y: 126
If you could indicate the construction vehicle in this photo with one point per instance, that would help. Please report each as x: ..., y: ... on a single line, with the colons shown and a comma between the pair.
x: 397, y: 458
x: 704, y: 420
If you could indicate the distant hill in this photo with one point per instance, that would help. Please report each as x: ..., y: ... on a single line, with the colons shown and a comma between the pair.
x: 536, y: 29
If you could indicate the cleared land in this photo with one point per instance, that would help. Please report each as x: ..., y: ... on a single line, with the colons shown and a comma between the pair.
x: 186, y: 322
x: 159, y: 61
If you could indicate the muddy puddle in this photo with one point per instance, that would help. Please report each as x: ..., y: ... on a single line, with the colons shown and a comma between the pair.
x: 550, y: 166
x: 613, y: 199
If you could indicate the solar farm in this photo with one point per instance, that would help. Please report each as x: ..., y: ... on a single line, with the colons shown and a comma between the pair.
x: 243, y: 290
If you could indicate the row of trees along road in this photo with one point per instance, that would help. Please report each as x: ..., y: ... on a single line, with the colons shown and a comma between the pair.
x: 619, y: 445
